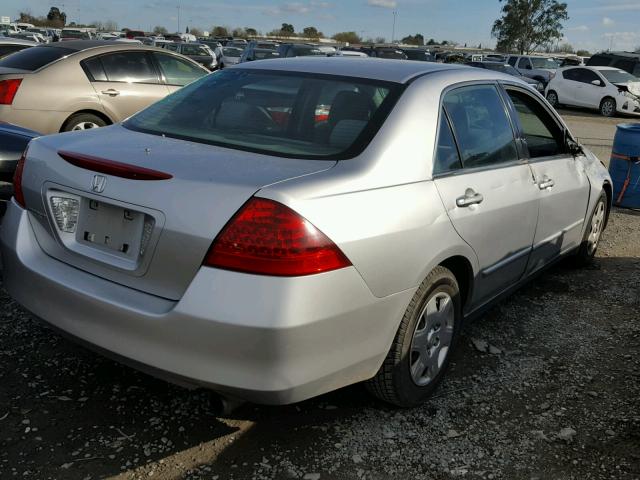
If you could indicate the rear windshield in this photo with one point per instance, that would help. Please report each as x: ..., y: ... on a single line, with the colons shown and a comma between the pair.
x: 392, y: 54
x: 231, y: 51
x: 539, y: 62
x: 34, y: 58
x: 278, y: 113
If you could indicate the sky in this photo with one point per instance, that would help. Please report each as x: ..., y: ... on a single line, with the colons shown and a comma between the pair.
x: 593, y: 24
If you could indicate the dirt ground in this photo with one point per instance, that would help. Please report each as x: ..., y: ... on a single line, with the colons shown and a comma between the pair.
x: 555, y: 396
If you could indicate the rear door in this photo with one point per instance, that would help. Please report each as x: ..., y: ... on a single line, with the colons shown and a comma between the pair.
x: 566, y: 89
x: 562, y: 185
x: 125, y: 81
x: 487, y: 190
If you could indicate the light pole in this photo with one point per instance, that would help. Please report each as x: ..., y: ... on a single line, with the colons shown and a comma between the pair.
x: 393, y: 31
x: 179, y: 17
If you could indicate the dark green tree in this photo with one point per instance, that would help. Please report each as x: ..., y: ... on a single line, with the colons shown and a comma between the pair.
x: 526, y: 25
x: 417, y: 39
x: 347, y: 37
x: 287, y: 28
x: 311, y: 32
x: 251, y: 32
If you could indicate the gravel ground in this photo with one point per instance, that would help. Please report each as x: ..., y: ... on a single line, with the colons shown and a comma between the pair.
x: 555, y: 395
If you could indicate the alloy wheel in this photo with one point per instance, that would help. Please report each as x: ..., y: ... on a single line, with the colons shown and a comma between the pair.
x: 85, y: 126
x: 597, y: 223
x: 431, y: 339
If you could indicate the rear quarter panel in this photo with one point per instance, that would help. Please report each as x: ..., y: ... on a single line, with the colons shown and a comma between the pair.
x: 381, y: 208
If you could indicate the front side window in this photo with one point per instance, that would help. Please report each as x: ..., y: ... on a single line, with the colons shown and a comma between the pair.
x: 541, y: 132
x: 176, y: 70
x: 129, y: 67
x: 289, y: 114
x: 481, y: 126
x: 585, y: 76
x: 447, y: 158
x: 524, y: 63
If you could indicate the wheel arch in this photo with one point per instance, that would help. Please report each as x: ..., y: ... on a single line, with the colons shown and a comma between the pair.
x: 608, y: 190
x: 462, y: 269
x: 97, y: 113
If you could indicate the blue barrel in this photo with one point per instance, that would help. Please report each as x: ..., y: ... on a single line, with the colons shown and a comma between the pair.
x: 625, y: 166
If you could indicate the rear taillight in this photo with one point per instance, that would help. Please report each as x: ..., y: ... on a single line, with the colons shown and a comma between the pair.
x: 17, y: 179
x: 8, y: 90
x: 268, y: 238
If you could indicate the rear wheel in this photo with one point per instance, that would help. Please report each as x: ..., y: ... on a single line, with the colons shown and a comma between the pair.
x: 421, y: 350
x: 592, y: 234
x: 552, y: 97
x: 83, y: 121
x: 608, y: 107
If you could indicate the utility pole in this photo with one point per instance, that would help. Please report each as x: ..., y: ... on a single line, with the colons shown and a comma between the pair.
x: 393, y: 31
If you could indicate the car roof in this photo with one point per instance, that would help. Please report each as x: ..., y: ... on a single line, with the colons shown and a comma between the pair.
x: 81, y: 45
x: 398, y: 71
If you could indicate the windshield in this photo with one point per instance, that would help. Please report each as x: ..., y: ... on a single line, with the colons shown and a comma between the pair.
x: 231, y: 51
x: 34, y: 58
x: 618, y: 76
x: 540, y: 62
x: 285, y: 114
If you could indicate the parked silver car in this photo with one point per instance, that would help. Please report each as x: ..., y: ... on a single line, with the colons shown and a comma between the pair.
x: 276, y: 234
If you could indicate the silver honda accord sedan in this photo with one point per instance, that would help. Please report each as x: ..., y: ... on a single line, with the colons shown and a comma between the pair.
x: 276, y: 231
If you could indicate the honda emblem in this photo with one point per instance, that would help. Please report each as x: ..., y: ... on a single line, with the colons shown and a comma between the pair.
x: 98, y: 183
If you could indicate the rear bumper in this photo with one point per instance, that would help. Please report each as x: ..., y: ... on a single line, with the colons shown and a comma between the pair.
x: 264, y: 339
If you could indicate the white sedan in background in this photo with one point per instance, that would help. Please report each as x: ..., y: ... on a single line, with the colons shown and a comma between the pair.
x: 609, y: 90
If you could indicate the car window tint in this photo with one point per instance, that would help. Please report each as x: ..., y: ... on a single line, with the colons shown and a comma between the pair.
x: 524, y: 62
x: 34, y: 58
x: 512, y: 61
x: 481, y: 126
x: 130, y: 67
x: 447, y: 157
x: 570, y: 74
x: 8, y: 49
x: 600, y: 60
x: 585, y: 76
x: 289, y: 114
x: 177, y: 71
x: 94, y: 67
x: 543, y: 136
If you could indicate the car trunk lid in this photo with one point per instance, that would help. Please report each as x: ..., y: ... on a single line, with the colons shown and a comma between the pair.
x: 149, y: 233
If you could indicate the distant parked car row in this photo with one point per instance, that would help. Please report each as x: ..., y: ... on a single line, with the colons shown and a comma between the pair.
x: 79, y: 85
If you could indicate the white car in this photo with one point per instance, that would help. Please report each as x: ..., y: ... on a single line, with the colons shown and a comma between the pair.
x: 609, y: 90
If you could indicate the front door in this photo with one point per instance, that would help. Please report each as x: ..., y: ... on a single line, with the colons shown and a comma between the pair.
x: 488, y: 192
x: 563, y: 186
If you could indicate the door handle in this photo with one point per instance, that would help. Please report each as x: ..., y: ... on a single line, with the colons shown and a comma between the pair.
x: 470, y: 198
x: 111, y: 92
x: 546, y: 183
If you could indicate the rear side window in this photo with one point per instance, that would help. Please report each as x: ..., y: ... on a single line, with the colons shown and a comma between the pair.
x: 93, y: 66
x: 130, y: 67
x: 512, y: 61
x: 481, y: 126
x: 543, y: 136
x: 32, y: 59
x: 447, y: 158
x: 293, y: 115
x: 176, y: 70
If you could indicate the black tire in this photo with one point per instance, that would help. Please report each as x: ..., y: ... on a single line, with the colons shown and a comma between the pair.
x: 587, y: 251
x: 394, y: 382
x: 608, y: 107
x: 79, y: 120
x: 552, y: 98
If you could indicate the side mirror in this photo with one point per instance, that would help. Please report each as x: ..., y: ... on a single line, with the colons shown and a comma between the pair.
x: 597, y: 83
x: 573, y: 147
